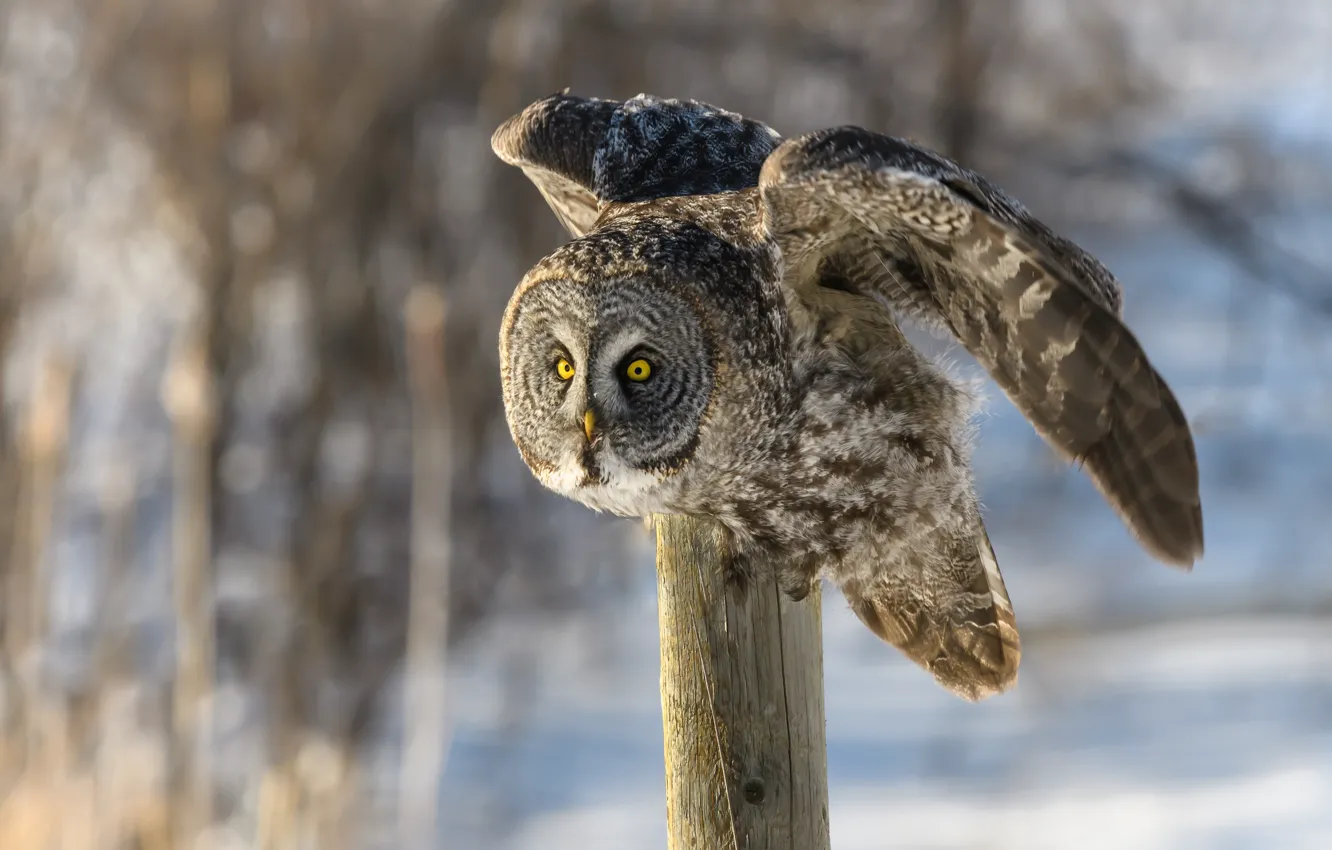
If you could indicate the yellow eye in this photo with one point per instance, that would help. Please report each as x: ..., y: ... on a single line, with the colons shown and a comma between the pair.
x: 564, y: 369
x: 639, y: 370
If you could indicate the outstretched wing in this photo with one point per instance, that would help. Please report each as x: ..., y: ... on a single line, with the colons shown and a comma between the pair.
x: 583, y: 153
x: 946, y: 608
x: 1040, y: 314
x: 554, y: 142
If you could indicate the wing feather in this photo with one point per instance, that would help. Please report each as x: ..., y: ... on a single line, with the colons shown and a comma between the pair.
x: 584, y: 153
x: 1037, y: 312
x: 554, y: 141
x: 947, y: 610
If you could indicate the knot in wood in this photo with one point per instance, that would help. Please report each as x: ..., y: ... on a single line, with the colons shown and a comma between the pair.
x: 754, y: 791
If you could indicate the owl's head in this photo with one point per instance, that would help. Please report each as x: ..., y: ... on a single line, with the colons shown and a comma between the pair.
x: 607, y: 381
x: 615, y: 349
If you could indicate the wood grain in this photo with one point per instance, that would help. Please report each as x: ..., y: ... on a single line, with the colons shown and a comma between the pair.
x: 742, y: 703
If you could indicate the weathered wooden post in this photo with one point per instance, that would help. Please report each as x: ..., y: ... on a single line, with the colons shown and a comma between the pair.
x: 742, y: 703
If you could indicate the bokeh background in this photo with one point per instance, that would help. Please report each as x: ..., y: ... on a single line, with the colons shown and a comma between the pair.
x: 245, y: 245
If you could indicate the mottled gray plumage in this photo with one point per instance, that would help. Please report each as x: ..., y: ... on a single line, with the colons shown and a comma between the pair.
x: 761, y: 281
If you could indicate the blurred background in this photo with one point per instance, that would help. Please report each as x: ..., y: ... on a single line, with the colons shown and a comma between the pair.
x: 246, y: 245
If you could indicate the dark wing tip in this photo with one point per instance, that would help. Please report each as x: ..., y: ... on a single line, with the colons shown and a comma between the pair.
x: 1159, y: 501
x: 1180, y: 546
x: 1143, y: 457
x: 559, y: 133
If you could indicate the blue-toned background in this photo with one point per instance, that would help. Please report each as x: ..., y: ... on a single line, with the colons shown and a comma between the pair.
x: 279, y: 175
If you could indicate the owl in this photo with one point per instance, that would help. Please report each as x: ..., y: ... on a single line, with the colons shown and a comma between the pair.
x: 722, y: 337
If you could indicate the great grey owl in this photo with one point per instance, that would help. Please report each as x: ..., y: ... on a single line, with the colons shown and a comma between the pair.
x: 721, y: 338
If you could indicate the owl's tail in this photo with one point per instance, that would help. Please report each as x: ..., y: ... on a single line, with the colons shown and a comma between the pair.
x: 944, y: 605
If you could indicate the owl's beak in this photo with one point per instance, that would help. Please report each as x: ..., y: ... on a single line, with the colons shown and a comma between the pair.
x: 589, y: 424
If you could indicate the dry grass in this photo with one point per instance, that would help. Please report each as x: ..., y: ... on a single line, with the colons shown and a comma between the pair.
x: 260, y: 171
x: 81, y: 770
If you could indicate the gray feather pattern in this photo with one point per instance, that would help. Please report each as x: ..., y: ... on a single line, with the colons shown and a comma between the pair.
x: 583, y: 153
x: 1036, y: 311
x: 763, y: 281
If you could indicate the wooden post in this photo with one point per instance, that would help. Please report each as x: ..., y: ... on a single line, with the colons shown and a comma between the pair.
x: 742, y: 703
